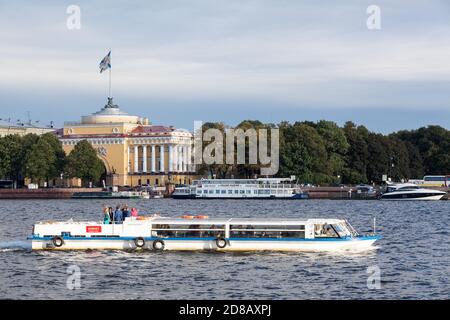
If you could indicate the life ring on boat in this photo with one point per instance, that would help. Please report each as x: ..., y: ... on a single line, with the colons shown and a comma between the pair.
x: 139, y: 242
x: 57, y: 241
x: 187, y: 217
x: 201, y: 217
x: 158, y: 245
x: 221, y: 243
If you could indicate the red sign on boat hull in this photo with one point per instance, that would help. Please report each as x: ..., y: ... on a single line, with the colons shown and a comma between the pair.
x: 93, y: 229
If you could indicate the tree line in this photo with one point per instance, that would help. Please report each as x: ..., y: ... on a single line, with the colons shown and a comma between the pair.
x: 324, y: 153
x: 315, y: 152
x: 42, y: 159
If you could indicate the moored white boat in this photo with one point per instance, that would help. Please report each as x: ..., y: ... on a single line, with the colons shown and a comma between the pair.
x: 201, y: 233
x: 409, y: 191
x: 262, y: 188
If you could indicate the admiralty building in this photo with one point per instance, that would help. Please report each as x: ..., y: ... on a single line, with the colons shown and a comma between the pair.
x: 134, y: 151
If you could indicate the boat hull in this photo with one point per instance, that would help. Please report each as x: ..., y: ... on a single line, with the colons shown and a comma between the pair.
x: 193, y: 244
x: 406, y: 197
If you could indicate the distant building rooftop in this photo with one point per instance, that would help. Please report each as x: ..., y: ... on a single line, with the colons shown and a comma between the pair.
x: 8, y: 128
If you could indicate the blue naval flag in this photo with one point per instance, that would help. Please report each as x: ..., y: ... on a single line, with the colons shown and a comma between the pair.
x: 105, y: 63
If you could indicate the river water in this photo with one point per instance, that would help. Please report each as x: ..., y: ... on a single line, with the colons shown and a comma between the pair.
x: 412, y: 258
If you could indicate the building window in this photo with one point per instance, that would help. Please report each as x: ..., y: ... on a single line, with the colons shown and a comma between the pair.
x: 156, y: 182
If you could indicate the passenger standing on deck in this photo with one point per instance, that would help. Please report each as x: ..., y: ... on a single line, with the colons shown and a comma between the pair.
x: 106, y: 217
x: 126, y: 212
x: 118, y: 216
x: 134, y: 212
x: 111, y: 215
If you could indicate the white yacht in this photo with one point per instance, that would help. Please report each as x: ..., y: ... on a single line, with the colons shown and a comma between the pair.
x: 410, y: 191
x: 262, y: 188
x: 201, y: 233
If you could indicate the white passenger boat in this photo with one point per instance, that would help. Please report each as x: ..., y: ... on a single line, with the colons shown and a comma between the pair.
x: 410, y: 191
x: 262, y: 188
x: 201, y: 233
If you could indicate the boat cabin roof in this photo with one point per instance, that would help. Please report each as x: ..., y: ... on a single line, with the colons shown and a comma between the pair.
x: 404, y: 186
x: 243, y: 221
x: 210, y: 221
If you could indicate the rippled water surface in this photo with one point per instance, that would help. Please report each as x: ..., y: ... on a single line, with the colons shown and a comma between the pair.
x: 413, y: 256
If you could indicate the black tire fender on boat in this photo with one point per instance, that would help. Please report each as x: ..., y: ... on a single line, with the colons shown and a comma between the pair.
x: 221, y: 243
x: 139, y: 242
x: 158, y: 245
x: 57, y: 241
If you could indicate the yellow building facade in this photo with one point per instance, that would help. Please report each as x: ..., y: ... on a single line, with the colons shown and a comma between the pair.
x: 134, y: 151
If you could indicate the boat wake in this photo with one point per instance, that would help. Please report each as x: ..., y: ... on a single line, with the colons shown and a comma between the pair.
x: 7, y: 246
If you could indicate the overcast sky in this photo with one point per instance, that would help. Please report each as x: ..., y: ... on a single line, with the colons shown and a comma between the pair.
x: 180, y: 61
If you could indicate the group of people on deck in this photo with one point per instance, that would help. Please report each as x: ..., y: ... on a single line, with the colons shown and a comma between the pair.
x: 111, y: 216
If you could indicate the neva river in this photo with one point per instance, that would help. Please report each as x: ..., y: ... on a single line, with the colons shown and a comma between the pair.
x: 413, y: 256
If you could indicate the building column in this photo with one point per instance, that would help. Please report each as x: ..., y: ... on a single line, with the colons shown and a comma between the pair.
x: 180, y: 158
x: 153, y: 168
x: 185, y: 158
x: 170, y: 158
x: 128, y: 160
x: 190, y: 162
x: 175, y: 158
x: 161, y: 158
x: 136, y: 159
x: 144, y: 158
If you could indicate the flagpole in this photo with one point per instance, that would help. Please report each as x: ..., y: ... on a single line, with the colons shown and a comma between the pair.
x: 110, y: 82
x: 110, y: 75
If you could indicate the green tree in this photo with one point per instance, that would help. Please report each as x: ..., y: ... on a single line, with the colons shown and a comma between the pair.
x: 248, y: 170
x: 83, y: 163
x: 60, y: 156
x: 11, y: 156
x: 357, y: 157
x: 303, y: 153
x: 220, y: 170
x: 433, y: 144
x: 40, y: 162
x: 336, y: 145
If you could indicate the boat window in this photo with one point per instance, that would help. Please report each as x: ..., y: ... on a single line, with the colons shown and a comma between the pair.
x: 325, y: 231
x: 267, y: 231
x: 342, y: 229
x: 391, y: 189
x: 217, y: 191
x: 408, y: 188
x: 190, y: 230
x: 230, y: 191
x: 224, y: 191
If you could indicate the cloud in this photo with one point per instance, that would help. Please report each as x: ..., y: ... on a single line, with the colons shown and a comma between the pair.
x: 289, y: 53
